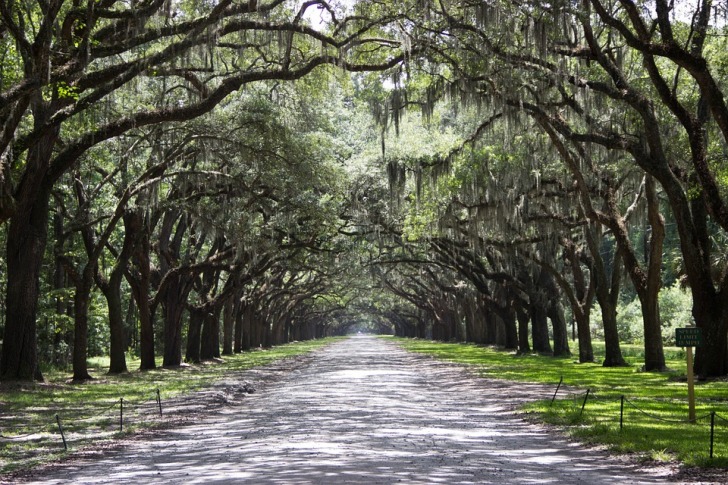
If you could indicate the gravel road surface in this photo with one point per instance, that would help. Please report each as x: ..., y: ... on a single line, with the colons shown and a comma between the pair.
x: 361, y: 411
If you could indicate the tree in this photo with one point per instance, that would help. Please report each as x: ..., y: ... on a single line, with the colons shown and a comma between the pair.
x: 79, y: 60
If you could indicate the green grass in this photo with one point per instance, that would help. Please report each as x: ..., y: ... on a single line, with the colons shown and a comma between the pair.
x: 28, y: 429
x: 654, y: 413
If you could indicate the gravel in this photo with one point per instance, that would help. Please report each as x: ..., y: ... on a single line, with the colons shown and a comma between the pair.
x: 359, y: 411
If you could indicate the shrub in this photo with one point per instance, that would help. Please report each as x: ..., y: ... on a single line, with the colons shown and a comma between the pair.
x: 629, y: 322
x: 675, y: 312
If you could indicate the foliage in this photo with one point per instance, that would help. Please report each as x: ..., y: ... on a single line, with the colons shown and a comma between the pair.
x: 675, y: 304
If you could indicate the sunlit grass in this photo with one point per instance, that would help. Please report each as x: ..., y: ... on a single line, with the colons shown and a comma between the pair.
x: 28, y: 428
x: 655, y: 409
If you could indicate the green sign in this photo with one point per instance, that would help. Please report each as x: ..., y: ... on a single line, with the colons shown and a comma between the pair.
x: 689, y: 337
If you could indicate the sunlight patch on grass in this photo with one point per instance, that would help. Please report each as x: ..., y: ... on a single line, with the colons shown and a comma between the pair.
x: 655, y: 410
x: 28, y: 427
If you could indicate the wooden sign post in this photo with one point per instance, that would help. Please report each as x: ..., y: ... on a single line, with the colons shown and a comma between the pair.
x: 689, y: 337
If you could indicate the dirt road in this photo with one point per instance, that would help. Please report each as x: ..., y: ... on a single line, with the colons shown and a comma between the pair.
x: 361, y: 411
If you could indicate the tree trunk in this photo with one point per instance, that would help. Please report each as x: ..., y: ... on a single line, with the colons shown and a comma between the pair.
x: 117, y: 338
x: 277, y: 330
x: 194, y: 334
x: 511, y: 331
x: 583, y: 332
x: 581, y: 307
x: 479, y: 316
x: 511, y: 319
x: 654, y: 354
x: 469, y: 314
x: 131, y: 326
x: 239, y: 315
x: 80, y: 326
x: 458, y: 330
x: 491, y: 329
x: 59, y: 282
x: 607, y: 299
x: 711, y: 358
x: 266, y: 333
x: 561, y: 333
x: 257, y: 330
x: 710, y: 305
x: 523, y: 321
x: 421, y: 328
x: 27, y: 236
x: 26, y: 241
x: 210, y: 344
x: 247, y: 327
x: 647, y: 281
x: 539, y: 326
x: 140, y: 291
x: 555, y: 312
x: 613, y: 357
x: 288, y: 330
x: 649, y: 294
x: 607, y: 285
x: 175, y: 297
x: 111, y: 288
x: 228, y: 319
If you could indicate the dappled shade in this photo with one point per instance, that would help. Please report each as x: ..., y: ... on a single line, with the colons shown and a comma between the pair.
x: 365, y: 411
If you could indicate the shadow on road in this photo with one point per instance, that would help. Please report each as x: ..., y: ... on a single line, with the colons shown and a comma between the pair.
x: 364, y: 411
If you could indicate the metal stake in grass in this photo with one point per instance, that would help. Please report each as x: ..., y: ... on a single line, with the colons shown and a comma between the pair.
x: 121, y: 414
x: 621, y: 412
x: 65, y: 445
x: 584, y: 403
x: 159, y: 403
x: 557, y: 389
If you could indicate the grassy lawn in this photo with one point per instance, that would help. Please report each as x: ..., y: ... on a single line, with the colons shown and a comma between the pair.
x: 88, y: 412
x: 655, y: 410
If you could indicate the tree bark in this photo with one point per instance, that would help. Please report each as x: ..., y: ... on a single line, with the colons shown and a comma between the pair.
x: 583, y: 332
x: 538, y: 309
x: 81, y: 300
x: 540, y: 329
x: 59, y: 281
x: 140, y: 291
x: 210, y: 343
x: 238, y: 339
x: 194, y: 334
x: 606, y: 288
x: 555, y: 312
x: 174, y: 301
x: 523, y: 343
x: 246, y: 327
x: 511, y: 330
x: 710, y: 307
x: 27, y: 237
x: 111, y: 288
x: 608, y: 298
x: 581, y: 307
x: 231, y: 308
x: 117, y: 332
x: 561, y: 334
x: 26, y: 242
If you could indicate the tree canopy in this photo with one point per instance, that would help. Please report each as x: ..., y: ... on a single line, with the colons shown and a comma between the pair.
x: 185, y: 178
